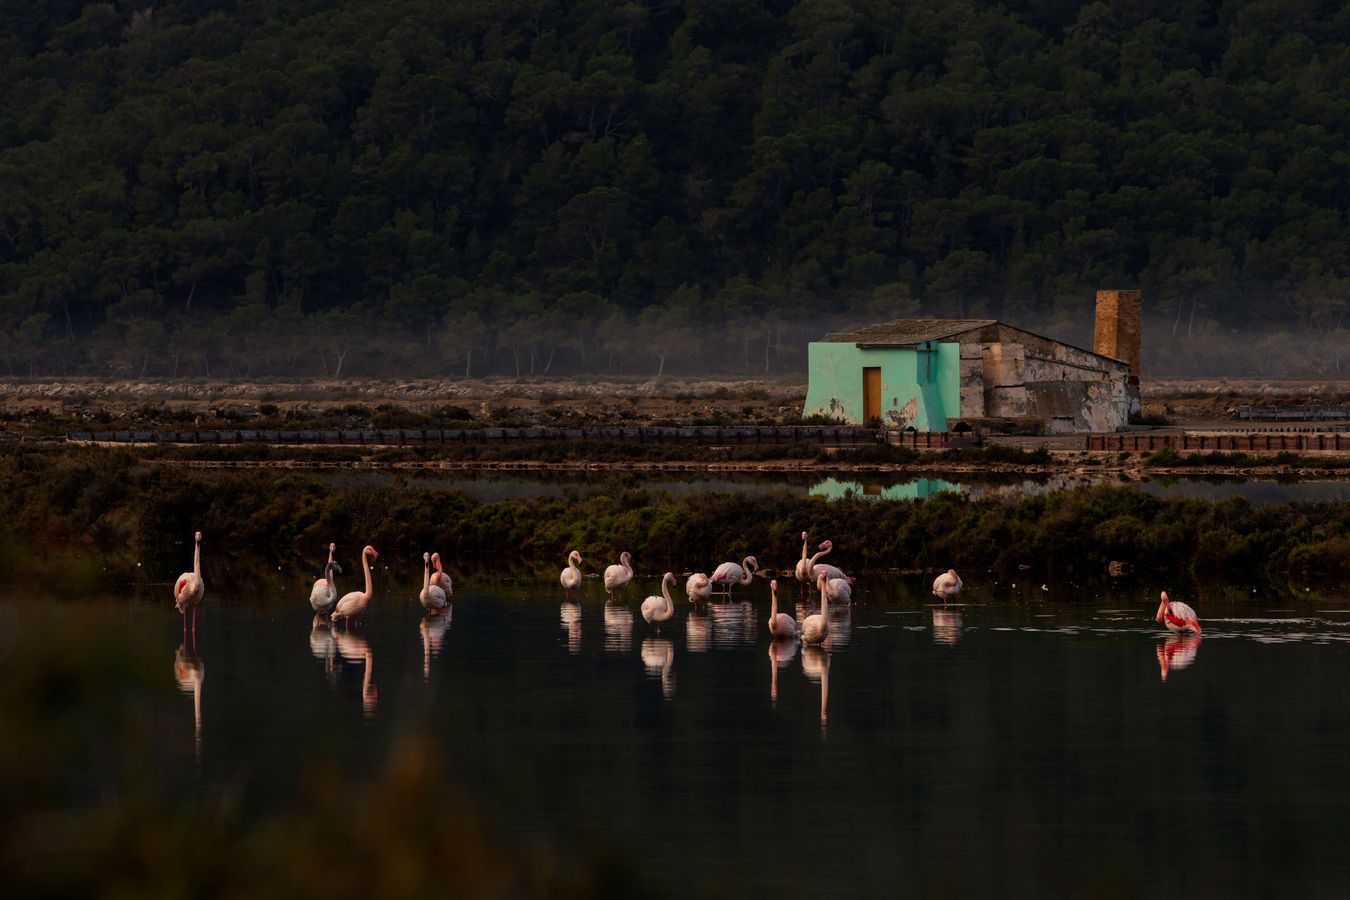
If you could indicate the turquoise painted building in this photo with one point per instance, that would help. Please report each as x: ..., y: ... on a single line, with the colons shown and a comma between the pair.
x: 931, y: 374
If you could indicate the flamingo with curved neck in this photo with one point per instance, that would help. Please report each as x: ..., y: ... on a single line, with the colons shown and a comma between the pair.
x: 618, y: 576
x: 660, y: 609
x: 353, y: 604
x: 324, y: 593
x: 782, y: 626
x: 432, y: 597
x: 439, y: 578
x: 816, y: 628
x: 189, y: 589
x: 1177, y: 616
x: 571, y: 576
x: 826, y: 548
x: 728, y: 573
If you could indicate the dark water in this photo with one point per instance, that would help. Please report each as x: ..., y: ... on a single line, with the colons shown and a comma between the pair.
x: 1023, y: 741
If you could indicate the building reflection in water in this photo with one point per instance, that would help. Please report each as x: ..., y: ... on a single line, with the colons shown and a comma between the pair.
x: 917, y: 489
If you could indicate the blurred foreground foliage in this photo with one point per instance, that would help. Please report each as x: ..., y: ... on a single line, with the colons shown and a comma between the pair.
x: 84, y: 812
x: 131, y: 509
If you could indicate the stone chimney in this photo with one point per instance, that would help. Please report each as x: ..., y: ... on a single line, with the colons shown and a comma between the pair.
x: 1118, y: 335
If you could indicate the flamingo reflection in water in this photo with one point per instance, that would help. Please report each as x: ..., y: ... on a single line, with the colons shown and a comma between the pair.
x: 698, y: 631
x: 781, y: 653
x: 946, y: 625
x: 1177, y: 651
x: 658, y: 656
x: 352, y: 647
x: 569, y: 615
x: 322, y: 645
x: 618, y: 628
x: 816, y: 667
x: 433, y: 627
x: 188, y: 671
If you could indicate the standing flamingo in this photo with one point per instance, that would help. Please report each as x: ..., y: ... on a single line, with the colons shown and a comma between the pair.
x: 618, y: 576
x: 826, y: 547
x: 439, y: 578
x: 189, y: 589
x: 803, y: 571
x: 432, y: 597
x: 698, y: 587
x: 660, y: 609
x: 324, y: 593
x: 1177, y: 616
x: 839, y: 589
x: 571, y: 576
x: 816, y: 628
x: 947, y: 585
x: 728, y: 573
x: 355, y: 603
x: 781, y: 625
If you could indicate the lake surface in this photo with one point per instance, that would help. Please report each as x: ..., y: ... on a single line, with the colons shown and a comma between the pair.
x: 1023, y: 741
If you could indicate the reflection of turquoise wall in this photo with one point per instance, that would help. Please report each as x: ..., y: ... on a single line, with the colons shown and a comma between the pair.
x: 918, y: 489
x: 927, y: 375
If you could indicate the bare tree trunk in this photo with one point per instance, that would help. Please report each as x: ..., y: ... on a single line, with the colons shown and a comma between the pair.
x: 548, y: 365
x: 468, y: 362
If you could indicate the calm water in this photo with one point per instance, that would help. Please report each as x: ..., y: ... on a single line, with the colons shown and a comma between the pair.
x: 1019, y: 742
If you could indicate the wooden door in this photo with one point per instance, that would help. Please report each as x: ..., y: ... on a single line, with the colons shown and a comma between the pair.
x: 871, y: 394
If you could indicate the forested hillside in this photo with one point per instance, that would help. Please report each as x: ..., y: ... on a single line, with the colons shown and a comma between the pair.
x: 422, y: 186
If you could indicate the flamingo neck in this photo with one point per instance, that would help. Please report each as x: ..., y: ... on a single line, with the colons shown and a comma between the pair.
x: 804, y: 553
x: 328, y: 571
x: 426, y: 576
x: 197, y: 559
x: 825, y: 552
x: 824, y: 608
x: 747, y: 575
x: 665, y: 592
x: 365, y: 563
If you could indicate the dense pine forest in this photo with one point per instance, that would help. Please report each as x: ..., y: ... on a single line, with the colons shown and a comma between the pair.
x: 420, y: 187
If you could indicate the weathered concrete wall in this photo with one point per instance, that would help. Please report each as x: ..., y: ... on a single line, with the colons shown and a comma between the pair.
x: 1025, y: 376
x: 919, y: 387
x: 1118, y: 331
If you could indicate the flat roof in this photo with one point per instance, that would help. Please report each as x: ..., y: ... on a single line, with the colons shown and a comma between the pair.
x: 907, y: 332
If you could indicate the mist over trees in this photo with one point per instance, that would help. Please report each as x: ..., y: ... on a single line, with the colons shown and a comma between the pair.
x: 513, y: 187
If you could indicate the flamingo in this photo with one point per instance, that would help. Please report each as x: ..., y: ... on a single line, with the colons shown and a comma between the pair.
x: 355, y: 603
x: 947, y: 585
x: 817, y: 628
x: 439, y: 578
x: 660, y: 609
x: 618, y: 576
x: 324, y: 593
x: 839, y: 589
x: 432, y: 596
x: 189, y: 589
x: 825, y: 549
x: 728, y: 573
x: 571, y: 576
x: 1177, y: 616
x: 698, y: 587
x: 803, y: 571
x: 781, y: 625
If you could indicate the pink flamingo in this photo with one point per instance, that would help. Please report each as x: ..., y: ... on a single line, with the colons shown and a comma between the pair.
x: 826, y: 547
x: 353, y: 604
x: 947, y: 585
x: 803, y: 571
x: 660, y: 609
x: 698, y: 587
x: 816, y: 628
x: 1177, y: 616
x: 433, y: 597
x: 728, y: 573
x: 439, y: 578
x: 324, y: 593
x: 839, y: 589
x: 189, y: 589
x: 781, y: 625
x: 571, y: 576
x: 619, y: 576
